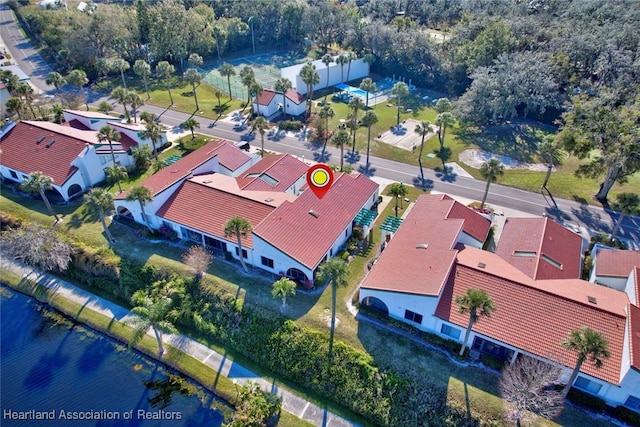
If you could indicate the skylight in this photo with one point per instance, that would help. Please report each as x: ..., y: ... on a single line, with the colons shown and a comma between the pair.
x: 552, y: 261
x: 314, y: 213
x: 524, y: 253
x: 269, y: 180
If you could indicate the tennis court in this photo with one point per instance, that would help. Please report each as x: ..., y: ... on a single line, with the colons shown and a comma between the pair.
x: 266, y: 68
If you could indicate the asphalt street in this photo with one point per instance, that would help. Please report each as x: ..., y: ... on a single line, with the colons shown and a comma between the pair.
x: 574, y: 214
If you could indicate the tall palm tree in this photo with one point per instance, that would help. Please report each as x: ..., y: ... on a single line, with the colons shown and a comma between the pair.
x: 340, y: 139
x: 589, y: 344
x: 117, y: 174
x: 478, y: 304
x: 143, y: 195
x: 355, y: 105
x: 121, y: 65
x: 218, y: 94
x: 15, y: 106
x: 261, y: 125
x: 282, y: 288
x: 336, y: 271
x: 627, y: 204
x: 239, y: 227
x: 369, y: 119
x: 24, y: 90
x: 143, y: 69
x: 282, y: 85
x: 444, y: 120
x: 326, y: 112
x: 110, y: 135
x: 193, y: 77
x: 443, y: 154
x: 423, y: 129
x: 399, y: 90
x: 38, y: 183
x: 368, y: 86
x: 120, y: 94
x: 342, y: 61
x: 191, y: 124
x: 398, y: 191
x: 56, y: 80
x: 164, y: 71
x: 157, y: 315
x: 326, y: 60
x: 248, y: 77
x: 490, y: 171
x: 99, y: 202
x: 310, y: 77
x: 135, y: 101
x: 152, y: 131
x: 255, y: 89
x: 227, y: 70
x: 553, y: 154
x: 350, y: 57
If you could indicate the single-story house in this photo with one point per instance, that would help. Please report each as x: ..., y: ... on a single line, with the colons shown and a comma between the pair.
x: 613, y: 267
x: 270, y: 102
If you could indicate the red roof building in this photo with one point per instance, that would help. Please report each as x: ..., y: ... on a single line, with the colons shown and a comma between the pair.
x: 616, y: 262
x: 275, y: 172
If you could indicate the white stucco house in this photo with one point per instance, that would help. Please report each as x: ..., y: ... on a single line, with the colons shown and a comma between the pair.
x: 270, y: 103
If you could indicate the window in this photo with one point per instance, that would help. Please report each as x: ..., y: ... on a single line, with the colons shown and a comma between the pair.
x: 587, y: 385
x: 13, y: 174
x: 633, y: 403
x: 413, y: 317
x: 244, y: 253
x: 450, y: 331
x: 268, y: 262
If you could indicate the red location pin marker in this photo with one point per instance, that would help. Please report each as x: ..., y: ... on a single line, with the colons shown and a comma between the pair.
x: 319, y: 179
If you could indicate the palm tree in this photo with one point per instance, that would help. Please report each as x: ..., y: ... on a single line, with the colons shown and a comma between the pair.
x: 191, y: 124
x: 444, y: 120
x: 255, y: 89
x: 99, y: 202
x: 310, y: 77
x: 105, y: 107
x: 588, y: 344
x: 164, y: 71
x: 423, y: 129
x: 193, y: 77
x: 355, y: 105
x: 368, y: 120
x: 120, y: 94
x: 398, y: 191
x: 56, y: 80
x: 195, y: 60
x: 143, y: 195
x: 326, y: 112
x: 399, y: 90
x: 368, y: 86
x: 109, y: 134
x: 443, y: 105
x: 478, y: 304
x: 15, y: 106
x: 227, y: 70
x: 326, y: 60
x: 157, y: 315
x: 351, y: 57
x: 218, y: 94
x: 627, y: 204
x: 553, y: 154
x: 282, y: 288
x: 24, y: 90
x: 443, y: 154
x: 248, y: 77
x: 143, y: 69
x: 135, y: 101
x: 58, y: 113
x: 336, y: 271
x: 261, y: 125
x: 37, y: 183
x: 340, y: 139
x: 122, y: 66
x: 282, y: 85
x: 490, y: 171
x: 152, y: 131
x: 116, y: 173
x: 342, y: 61
x: 239, y: 227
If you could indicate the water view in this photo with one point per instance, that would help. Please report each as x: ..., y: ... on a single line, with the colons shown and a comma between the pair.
x: 55, y: 373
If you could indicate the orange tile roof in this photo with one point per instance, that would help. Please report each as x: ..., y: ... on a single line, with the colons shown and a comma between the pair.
x: 283, y: 170
x: 475, y: 225
x: 307, y: 239
x: 634, y: 335
x: 231, y: 157
x: 21, y: 152
x: 534, y: 319
x: 266, y: 97
x: 295, y: 96
x: 207, y: 209
x: 616, y: 262
x: 533, y: 245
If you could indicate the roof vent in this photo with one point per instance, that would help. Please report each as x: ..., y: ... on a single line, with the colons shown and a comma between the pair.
x: 50, y: 143
x: 481, y: 265
x: 314, y: 213
x: 592, y: 300
x: 422, y: 246
x: 269, y: 199
x: 40, y: 139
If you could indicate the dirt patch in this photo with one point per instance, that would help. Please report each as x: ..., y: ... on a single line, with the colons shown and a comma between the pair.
x: 404, y: 136
x: 475, y: 158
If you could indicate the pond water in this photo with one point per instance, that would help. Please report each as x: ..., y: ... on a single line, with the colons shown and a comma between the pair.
x: 55, y: 373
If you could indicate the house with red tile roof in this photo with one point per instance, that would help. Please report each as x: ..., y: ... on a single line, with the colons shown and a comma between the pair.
x: 270, y: 102
x: 535, y: 311
x: 541, y: 248
x: 89, y: 119
x: 278, y: 172
x: 613, y: 267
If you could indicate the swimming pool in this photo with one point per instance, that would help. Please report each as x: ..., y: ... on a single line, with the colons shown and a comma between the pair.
x: 352, y: 90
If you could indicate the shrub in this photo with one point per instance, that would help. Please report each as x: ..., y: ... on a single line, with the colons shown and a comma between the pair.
x: 492, y: 361
x: 587, y: 400
x: 625, y: 414
x: 293, y: 125
x: 189, y: 145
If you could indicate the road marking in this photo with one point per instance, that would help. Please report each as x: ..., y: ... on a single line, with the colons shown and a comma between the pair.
x: 304, y: 410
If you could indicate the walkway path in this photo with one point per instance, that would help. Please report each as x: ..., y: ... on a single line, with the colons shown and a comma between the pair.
x: 291, y: 403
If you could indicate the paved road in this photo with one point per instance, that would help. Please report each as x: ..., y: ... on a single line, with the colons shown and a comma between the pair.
x: 572, y: 213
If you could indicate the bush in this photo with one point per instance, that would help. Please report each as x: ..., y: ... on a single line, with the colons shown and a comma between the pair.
x: 189, y: 145
x: 587, y: 400
x: 492, y: 361
x: 625, y: 414
x: 293, y: 125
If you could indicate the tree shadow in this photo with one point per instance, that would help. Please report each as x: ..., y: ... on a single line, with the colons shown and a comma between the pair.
x: 94, y: 355
x: 353, y: 157
x: 321, y: 157
x: 589, y: 218
x: 448, y: 175
x: 423, y: 184
x: 367, y: 171
x: 221, y: 109
x: 165, y: 389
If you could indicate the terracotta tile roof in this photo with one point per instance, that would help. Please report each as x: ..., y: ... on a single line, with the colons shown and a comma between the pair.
x: 231, y: 157
x: 634, y: 335
x: 229, y: 184
x: 88, y: 136
x: 423, y: 271
x: 307, y: 239
x: 295, y: 96
x: 536, y: 320
x: 208, y: 209
x: 275, y: 172
x: 266, y: 97
x: 537, y: 245
x: 21, y: 152
x: 616, y: 262
x: 636, y: 286
x: 475, y: 225
x: 90, y: 114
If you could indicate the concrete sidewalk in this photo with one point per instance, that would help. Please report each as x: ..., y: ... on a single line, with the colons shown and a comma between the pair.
x: 291, y: 403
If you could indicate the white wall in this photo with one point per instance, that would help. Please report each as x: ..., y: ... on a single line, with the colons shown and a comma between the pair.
x: 618, y: 283
x: 397, y: 303
x: 267, y: 110
x: 630, y: 287
x: 281, y: 261
x: 91, y: 123
x: 294, y: 109
x: 359, y: 69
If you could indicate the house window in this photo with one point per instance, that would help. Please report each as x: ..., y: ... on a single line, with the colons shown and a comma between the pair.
x: 633, y: 403
x: 587, y: 385
x: 413, y: 317
x: 14, y: 175
x: 244, y: 253
x: 267, y: 262
x: 450, y: 331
